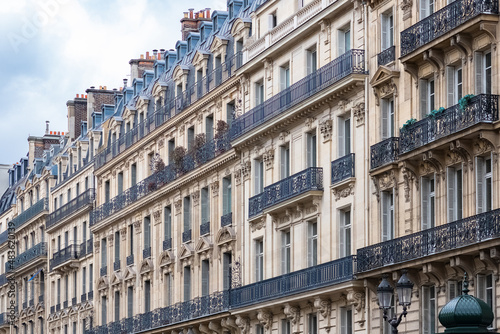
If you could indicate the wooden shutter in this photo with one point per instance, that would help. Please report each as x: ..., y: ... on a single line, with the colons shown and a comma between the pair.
x: 480, y: 171
x: 478, y: 69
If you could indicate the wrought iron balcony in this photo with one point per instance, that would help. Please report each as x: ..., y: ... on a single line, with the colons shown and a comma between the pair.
x: 443, y: 21
x: 41, y: 298
x: 90, y: 295
x: 65, y: 304
x: 192, y: 159
x: 308, y: 180
x: 116, y: 265
x: 351, y: 62
x: 343, y: 168
x: 31, y: 302
x: 86, y: 247
x: 205, y: 228
x: 326, y: 274
x: 458, y: 234
x: 186, y: 236
x: 4, y: 236
x: 30, y: 213
x: 482, y: 108
x: 386, y: 56
x: 83, y: 297
x: 104, y: 271
x: 71, y: 252
x: 215, y: 303
x: 130, y: 260
x: 146, y: 253
x: 85, y: 199
x: 3, y: 279
x: 226, y: 219
x: 167, y: 244
x: 385, y: 152
x: 171, y: 108
x: 4, y: 319
x: 25, y: 305
x: 73, y: 301
x: 34, y: 252
x: 58, y: 307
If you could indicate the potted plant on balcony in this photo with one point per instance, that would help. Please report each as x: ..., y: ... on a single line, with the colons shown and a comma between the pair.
x: 408, y: 123
x: 435, y: 113
x: 199, y: 142
x: 221, y: 131
x: 464, y: 101
x: 178, y: 157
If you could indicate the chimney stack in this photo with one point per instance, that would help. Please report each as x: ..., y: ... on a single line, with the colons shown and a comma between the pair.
x: 125, y: 82
x: 47, y: 127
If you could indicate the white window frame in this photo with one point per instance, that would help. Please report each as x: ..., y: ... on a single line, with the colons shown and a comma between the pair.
x: 344, y: 39
x: 428, y: 197
x: 426, y: 8
x: 484, y: 183
x: 312, y: 243
x: 427, y: 93
x: 258, y: 176
x: 387, y: 219
x: 344, y: 136
x: 454, y: 289
x: 285, y: 161
x: 311, y: 60
x: 454, y: 178
x: 259, y: 92
x: 311, y: 149
x: 387, y: 30
x: 345, y: 232
x: 429, y: 309
x: 286, y: 252
x: 388, y: 120
x: 482, y: 72
x: 285, y: 76
x: 346, y: 320
x: 485, y: 289
x: 454, y: 79
x: 259, y: 260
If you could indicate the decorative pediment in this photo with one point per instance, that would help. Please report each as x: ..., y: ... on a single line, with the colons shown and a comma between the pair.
x: 239, y: 26
x: 40, y: 308
x: 158, y: 89
x: 102, y: 283
x: 51, y: 317
x: 142, y: 103
x: 166, y: 258
x: 185, y: 251
x: 130, y: 274
x: 116, y: 278
x: 179, y: 71
x: 200, y: 59
x: 225, y: 235
x: 146, y: 266
x: 384, y: 83
x: 72, y: 311
x: 217, y: 45
x: 203, y: 245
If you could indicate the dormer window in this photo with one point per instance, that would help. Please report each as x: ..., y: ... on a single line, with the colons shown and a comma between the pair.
x: 231, y: 11
x: 202, y: 33
x: 273, y: 20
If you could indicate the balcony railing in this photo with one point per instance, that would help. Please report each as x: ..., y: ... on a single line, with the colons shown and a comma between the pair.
x: 84, y: 199
x: 71, y: 252
x: 353, y: 61
x: 461, y: 233
x: 167, y: 244
x: 83, y: 297
x: 25, y: 257
x: 146, y: 253
x: 226, y: 219
x: 386, y: 56
x: 205, y: 228
x: 343, y: 168
x: 444, y: 20
x: 73, y: 301
x: 215, y: 303
x: 25, y: 305
x: 58, y: 307
x: 4, y: 236
x: 193, y: 159
x: 65, y: 304
x: 90, y: 295
x: 334, y: 272
x: 3, y: 279
x: 130, y: 260
x: 186, y: 236
x: 41, y: 298
x: 31, y: 212
x: 385, y: 152
x: 31, y: 302
x: 86, y: 247
x: 104, y: 271
x: 171, y: 108
x: 482, y: 108
x: 4, y: 318
x: 116, y: 265
x: 308, y: 180
x: 52, y: 309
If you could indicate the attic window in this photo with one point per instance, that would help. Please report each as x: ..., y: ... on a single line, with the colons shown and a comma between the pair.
x: 202, y: 33
x: 215, y: 22
x: 273, y: 20
x: 231, y: 11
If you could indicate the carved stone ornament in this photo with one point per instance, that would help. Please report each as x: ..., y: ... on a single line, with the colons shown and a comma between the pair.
x: 196, y: 198
x: 406, y: 8
x: 97, y: 244
x: 265, y: 317
x: 268, y: 68
x: 137, y: 226
x: 161, y: 143
x: 283, y: 135
x: 110, y: 240
x: 157, y: 217
x: 324, y: 307
x: 359, y: 113
x: 268, y: 157
x: 123, y: 233
x: 215, y: 188
x: 178, y: 206
x: 387, y: 180
x: 325, y: 127
x: 237, y: 176
x: 309, y: 122
x: 408, y: 177
x: 293, y: 313
x: 245, y: 170
x: 344, y: 192
x: 482, y: 146
x: 325, y: 30
x: 357, y: 300
x: 258, y: 224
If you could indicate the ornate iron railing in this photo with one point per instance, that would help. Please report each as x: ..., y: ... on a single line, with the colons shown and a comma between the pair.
x: 65, y: 304
x: 25, y: 305
x: 353, y: 61
x: 73, y: 301
x: 215, y: 303
x: 205, y: 228
x: 25, y: 257
x: 444, y: 20
x: 71, y: 252
x: 226, y: 219
x: 4, y: 236
x: 41, y: 298
x: 186, y: 236
x: 4, y: 318
x: 146, y: 253
x: 307, y: 180
x: 58, y: 307
x: 460, y: 233
x: 482, y: 108
x: 83, y: 297
x: 86, y: 247
x: 84, y: 199
x: 343, y: 168
x: 52, y: 309
x: 3, y: 279
x: 334, y: 272
x: 116, y: 265
x: 31, y: 302
x: 385, y: 152
x: 31, y: 212
x: 193, y: 159
x: 104, y: 271
x: 167, y: 244
x: 130, y: 260
x: 171, y: 108
x: 386, y: 56
x: 90, y: 295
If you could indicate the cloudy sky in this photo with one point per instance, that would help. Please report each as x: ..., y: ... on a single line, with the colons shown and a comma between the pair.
x: 51, y: 50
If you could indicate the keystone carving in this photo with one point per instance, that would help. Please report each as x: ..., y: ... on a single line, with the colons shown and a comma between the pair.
x: 293, y: 313
x: 325, y: 128
x: 324, y: 306
x: 265, y: 317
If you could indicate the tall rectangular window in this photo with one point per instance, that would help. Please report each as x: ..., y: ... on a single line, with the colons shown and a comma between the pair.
x: 58, y: 295
x: 259, y: 329
x: 147, y: 232
x: 484, y: 198
x: 190, y: 137
x: 345, y: 233
x: 120, y: 183
x: 454, y: 289
x: 285, y: 252
x: 273, y: 20
x: 205, y: 277
x: 117, y: 246
x: 130, y: 301
x: 312, y: 323
x: 426, y: 8
x: 387, y: 204
x: 187, y: 283
x: 455, y: 194
x: 387, y: 108
x: 429, y: 309
x: 133, y: 175
x: 147, y: 296
x: 344, y: 136
x: 171, y: 147
x: 454, y: 84
x: 284, y: 161
x: 84, y: 231
x: 91, y: 277
x: 345, y: 320
x: 311, y: 60
x: 427, y: 97
x: 311, y: 149
x: 344, y: 41
x: 258, y: 173
x: 259, y: 260
x: 117, y: 305
x: 259, y: 92
x: 107, y: 195
x: 167, y: 223
x: 285, y: 76
x: 104, y: 311
x: 312, y: 244
x: 485, y: 286
x: 168, y: 289
x: 209, y: 127
x: 226, y: 195
x: 84, y: 280
x: 286, y: 327
x: 205, y: 205
x: 131, y: 239
x: 230, y: 108
x: 387, y: 29
x: 104, y: 253
x: 226, y: 270
x: 187, y: 213
x: 482, y: 70
x: 428, y: 202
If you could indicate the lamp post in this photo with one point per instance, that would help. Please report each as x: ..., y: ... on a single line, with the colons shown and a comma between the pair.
x: 385, y: 293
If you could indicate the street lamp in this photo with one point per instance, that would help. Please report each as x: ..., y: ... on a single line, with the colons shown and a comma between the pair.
x: 385, y: 293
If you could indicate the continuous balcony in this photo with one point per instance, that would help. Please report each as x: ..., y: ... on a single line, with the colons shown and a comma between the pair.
x: 439, y: 239
x: 315, y: 277
x: 3, y: 279
x: 309, y: 180
x: 192, y: 159
x: 200, y: 307
x: 351, y: 62
x: 387, y: 56
x: 171, y: 108
x: 40, y: 207
x: 66, y: 259
x: 4, y: 319
x: 482, y: 108
x: 35, y: 252
x: 87, y: 247
x: 444, y: 21
x: 385, y: 152
x: 343, y: 168
x: 4, y: 236
x: 84, y: 200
